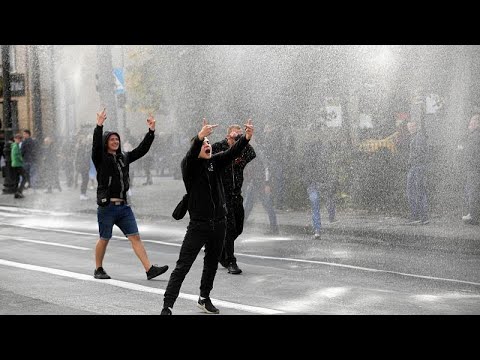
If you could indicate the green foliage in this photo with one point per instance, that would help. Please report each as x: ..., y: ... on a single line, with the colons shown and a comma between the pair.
x: 144, y: 83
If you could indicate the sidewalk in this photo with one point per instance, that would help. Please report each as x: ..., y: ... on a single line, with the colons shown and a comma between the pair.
x: 157, y: 201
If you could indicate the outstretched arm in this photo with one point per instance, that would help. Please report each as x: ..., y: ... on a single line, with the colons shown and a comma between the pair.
x: 248, y: 154
x: 191, y: 161
x: 197, y: 142
x: 97, y: 146
x: 146, y: 143
x: 226, y: 157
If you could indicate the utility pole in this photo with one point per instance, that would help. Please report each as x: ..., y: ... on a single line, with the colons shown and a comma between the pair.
x: 124, y: 95
x: 53, y: 112
x: 7, y: 94
x: 9, y: 182
x: 106, y: 85
x: 36, y: 95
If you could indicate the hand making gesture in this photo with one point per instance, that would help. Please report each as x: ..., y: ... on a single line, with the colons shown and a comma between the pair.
x: 151, y: 122
x: 101, y: 117
x: 206, y: 129
x: 248, y: 129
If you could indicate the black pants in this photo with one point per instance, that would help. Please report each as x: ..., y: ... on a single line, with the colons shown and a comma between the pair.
x: 19, y: 172
x: 199, y: 233
x: 235, y: 220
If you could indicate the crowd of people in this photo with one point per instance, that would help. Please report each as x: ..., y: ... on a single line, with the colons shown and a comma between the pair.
x: 222, y: 180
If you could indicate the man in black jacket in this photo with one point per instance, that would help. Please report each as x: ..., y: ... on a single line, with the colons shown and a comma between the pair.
x: 29, y: 151
x: 232, y: 183
x: 113, y: 183
x: 202, y: 175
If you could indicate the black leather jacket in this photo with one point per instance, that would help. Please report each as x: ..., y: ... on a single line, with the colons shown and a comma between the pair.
x: 203, y: 180
x: 113, y: 170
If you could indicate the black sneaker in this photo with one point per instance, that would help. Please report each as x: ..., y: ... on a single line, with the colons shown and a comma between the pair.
x: 155, y: 271
x: 100, y: 274
x: 166, y: 311
x: 233, y: 268
x: 207, y: 306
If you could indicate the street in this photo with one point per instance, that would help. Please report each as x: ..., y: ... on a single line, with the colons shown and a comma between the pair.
x: 47, y: 263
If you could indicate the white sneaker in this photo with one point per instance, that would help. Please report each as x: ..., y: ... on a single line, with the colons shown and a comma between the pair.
x: 317, y: 235
x: 467, y: 217
x: 83, y: 197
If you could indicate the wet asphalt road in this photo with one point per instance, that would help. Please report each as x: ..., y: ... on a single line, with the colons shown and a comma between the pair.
x: 47, y: 262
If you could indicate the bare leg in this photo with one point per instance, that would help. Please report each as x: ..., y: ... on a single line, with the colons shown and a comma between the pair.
x: 139, y: 249
x: 100, y: 250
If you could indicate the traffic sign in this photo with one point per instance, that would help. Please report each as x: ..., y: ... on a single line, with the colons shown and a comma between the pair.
x: 119, y: 81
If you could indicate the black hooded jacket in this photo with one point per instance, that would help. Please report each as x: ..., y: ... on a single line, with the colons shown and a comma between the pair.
x: 203, y: 180
x: 233, y: 174
x: 113, y: 170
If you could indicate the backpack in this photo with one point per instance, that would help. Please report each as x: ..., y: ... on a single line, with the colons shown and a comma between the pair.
x: 181, y: 208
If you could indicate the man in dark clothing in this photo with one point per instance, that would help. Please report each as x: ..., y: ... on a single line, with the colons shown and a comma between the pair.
x: 202, y: 175
x: 113, y: 183
x: 416, y: 177
x: 29, y: 151
x: 232, y: 183
x: 472, y: 169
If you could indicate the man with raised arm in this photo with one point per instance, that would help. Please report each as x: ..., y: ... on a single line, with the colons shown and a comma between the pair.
x: 113, y: 180
x: 202, y: 175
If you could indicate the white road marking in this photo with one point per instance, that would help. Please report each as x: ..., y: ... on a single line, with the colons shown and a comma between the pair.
x: 35, y: 211
x: 268, y: 257
x: 86, y: 233
x: 43, y: 242
x: 136, y: 287
x: 360, y: 268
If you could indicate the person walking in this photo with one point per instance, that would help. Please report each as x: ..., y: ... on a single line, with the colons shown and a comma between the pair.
x: 112, y: 167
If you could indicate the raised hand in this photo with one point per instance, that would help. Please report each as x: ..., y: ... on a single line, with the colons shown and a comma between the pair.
x: 151, y: 122
x: 248, y: 129
x: 206, y: 129
x: 101, y: 117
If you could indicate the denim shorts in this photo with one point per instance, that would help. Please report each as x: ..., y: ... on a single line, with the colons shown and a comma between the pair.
x: 120, y: 215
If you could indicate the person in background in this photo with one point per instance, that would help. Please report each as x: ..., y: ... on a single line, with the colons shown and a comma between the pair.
x: 50, y: 162
x: 259, y: 186
x: 319, y: 178
x: 232, y: 183
x: 416, y: 176
x: 17, y: 166
x: 29, y: 152
x: 472, y: 171
x: 82, y: 164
